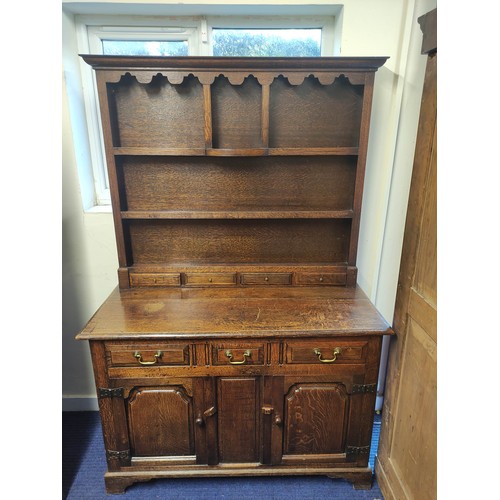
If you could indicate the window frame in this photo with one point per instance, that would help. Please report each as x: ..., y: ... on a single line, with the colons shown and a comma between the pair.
x: 90, y: 33
x: 325, y: 23
x: 196, y: 30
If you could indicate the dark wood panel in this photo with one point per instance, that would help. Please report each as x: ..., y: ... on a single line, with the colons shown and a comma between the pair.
x: 321, y: 279
x: 246, y: 352
x: 155, y: 353
x: 157, y: 113
x: 315, y: 419
x: 239, y: 241
x: 236, y: 114
x: 112, y: 411
x: 160, y: 422
x: 238, y: 400
x: 266, y: 278
x: 155, y: 279
x: 205, y: 410
x: 315, y: 115
x: 350, y: 351
x: 209, y: 279
x: 269, y: 183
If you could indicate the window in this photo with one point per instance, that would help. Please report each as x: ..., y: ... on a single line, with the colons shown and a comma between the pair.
x: 145, y: 47
x: 219, y: 36
x: 266, y: 42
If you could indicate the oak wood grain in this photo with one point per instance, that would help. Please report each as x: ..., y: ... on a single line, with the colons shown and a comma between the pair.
x: 171, y: 313
x: 270, y: 184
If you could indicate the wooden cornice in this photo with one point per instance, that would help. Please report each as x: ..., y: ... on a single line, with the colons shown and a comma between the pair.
x: 428, y: 25
x: 235, y: 64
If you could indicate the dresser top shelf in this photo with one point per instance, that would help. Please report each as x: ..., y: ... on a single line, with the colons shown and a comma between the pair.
x: 219, y: 313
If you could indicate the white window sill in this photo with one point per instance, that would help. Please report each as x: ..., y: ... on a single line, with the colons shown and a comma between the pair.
x: 99, y: 209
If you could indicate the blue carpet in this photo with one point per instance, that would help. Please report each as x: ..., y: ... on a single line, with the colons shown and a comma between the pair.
x: 84, y: 465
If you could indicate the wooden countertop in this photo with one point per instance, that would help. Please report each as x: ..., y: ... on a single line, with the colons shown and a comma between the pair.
x: 154, y: 313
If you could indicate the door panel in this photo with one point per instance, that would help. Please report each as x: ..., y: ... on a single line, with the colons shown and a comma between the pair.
x: 413, y: 453
x: 238, y: 414
x: 315, y: 419
x: 272, y: 420
x: 160, y: 422
x: 205, y: 411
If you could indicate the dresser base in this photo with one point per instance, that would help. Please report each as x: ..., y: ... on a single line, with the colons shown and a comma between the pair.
x: 117, y: 482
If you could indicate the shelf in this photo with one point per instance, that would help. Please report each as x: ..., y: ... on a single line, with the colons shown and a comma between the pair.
x: 248, y: 214
x: 237, y: 152
x: 177, y: 267
x: 147, y: 151
x: 347, y: 151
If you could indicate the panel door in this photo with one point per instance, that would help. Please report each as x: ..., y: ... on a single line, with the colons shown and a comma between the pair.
x: 238, y: 419
x: 160, y: 421
x: 207, y: 420
x: 316, y: 419
x: 406, y: 462
x: 249, y: 420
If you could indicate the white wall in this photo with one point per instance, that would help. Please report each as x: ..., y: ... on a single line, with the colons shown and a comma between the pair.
x: 368, y: 28
x: 88, y: 248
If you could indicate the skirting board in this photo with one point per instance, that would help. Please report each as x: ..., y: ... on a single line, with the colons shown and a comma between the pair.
x: 79, y: 403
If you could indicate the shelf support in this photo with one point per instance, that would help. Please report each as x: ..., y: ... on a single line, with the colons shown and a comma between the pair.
x: 207, y: 102
x: 360, y: 168
x: 265, y: 115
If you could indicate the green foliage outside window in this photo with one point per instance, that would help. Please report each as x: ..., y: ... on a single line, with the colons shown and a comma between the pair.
x: 145, y: 48
x: 239, y: 43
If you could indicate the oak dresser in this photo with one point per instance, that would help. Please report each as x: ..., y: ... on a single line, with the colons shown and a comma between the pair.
x: 237, y: 341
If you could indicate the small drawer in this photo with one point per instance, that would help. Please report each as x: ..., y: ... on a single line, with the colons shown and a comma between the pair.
x: 238, y: 354
x: 266, y: 278
x: 208, y: 279
x: 326, y: 352
x: 155, y: 279
x: 338, y: 279
x: 149, y: 355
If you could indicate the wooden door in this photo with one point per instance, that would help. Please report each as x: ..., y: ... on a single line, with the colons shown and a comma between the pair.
x: 238, y: 419
x: 316, y: 416
x: 406, y: 463
x: 160, y: 422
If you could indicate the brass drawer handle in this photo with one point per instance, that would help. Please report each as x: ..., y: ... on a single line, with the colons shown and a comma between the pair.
x: 138, y: 355
x: 246, y: 354
x: 336, y: 352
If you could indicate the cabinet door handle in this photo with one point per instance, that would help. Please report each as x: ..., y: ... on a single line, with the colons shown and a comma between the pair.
x: 211, y: 411
x: 336, y: 352
x: 199, y: 420
x: 138, y: 356
x: 269, y: 410
x: 246, y: 354
x: 200, y: 417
